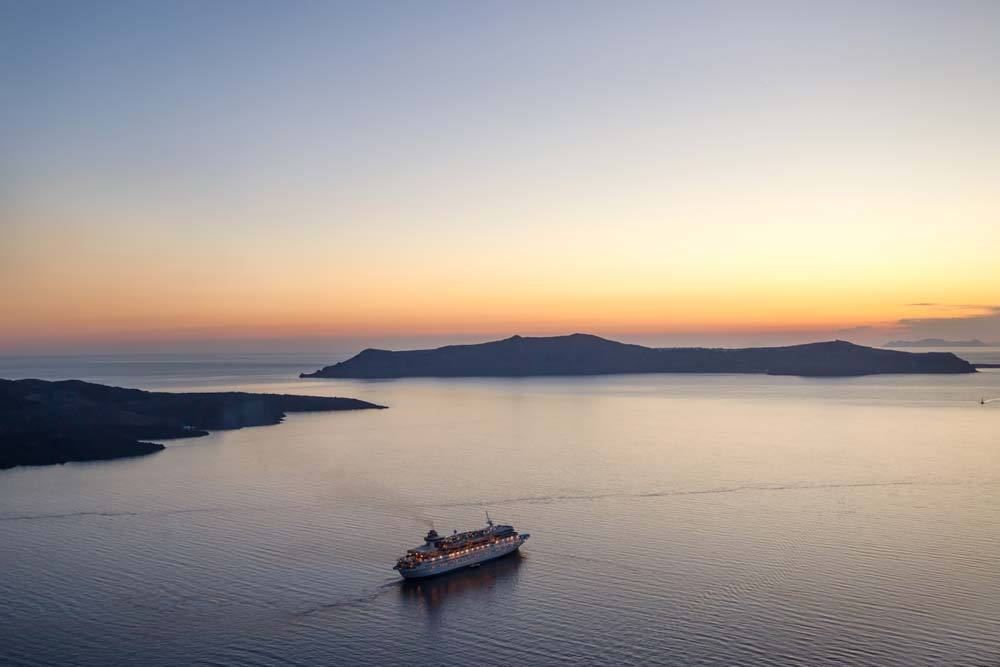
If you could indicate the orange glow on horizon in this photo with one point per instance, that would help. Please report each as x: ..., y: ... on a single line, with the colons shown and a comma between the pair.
x: 650, y: 187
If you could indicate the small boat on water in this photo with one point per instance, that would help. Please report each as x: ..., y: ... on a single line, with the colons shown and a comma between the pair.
x: 438, y: 554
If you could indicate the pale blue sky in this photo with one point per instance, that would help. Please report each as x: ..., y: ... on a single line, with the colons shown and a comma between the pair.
x: 512, y: 143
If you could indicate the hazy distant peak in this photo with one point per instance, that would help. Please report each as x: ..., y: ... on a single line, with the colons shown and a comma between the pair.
x: 936, y: 342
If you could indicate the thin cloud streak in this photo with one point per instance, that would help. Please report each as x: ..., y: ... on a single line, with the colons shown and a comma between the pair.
x: 984, y: 325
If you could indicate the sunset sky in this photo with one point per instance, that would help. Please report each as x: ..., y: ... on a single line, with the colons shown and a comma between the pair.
x: 187, y: 175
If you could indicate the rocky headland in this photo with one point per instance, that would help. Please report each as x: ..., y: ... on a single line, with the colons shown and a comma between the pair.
x: 44, y: 422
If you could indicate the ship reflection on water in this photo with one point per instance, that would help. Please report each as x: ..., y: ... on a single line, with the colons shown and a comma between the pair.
x: 491, y: 578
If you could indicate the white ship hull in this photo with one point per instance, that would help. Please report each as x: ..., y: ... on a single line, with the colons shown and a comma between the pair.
x: 457, y: 561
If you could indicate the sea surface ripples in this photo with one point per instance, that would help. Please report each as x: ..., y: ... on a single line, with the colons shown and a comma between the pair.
x: 675, y: 520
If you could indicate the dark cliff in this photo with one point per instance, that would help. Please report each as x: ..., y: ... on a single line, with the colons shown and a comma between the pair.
x: 582, y: 354
x: 54, y: 422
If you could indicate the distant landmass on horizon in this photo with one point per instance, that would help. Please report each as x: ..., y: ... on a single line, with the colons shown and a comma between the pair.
x: 936, y: 342
x: 584, y: 354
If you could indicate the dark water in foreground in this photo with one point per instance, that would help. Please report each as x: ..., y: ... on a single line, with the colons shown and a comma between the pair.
x: 675, y: 520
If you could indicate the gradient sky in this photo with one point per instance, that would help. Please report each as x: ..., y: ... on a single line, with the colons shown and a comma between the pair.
x: 185, y: 174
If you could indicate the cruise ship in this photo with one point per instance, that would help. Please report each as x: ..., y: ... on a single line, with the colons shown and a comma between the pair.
x: 438, y: 555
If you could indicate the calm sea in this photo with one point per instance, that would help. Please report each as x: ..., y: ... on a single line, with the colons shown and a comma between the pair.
x: 675, y: 520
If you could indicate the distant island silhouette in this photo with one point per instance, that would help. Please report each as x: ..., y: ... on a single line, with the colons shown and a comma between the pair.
x: 584, y: 354
x: 936, y: 342
x: 44, y: 422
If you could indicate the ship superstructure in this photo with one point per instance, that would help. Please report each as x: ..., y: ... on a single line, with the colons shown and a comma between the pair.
x: 438, y: 554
